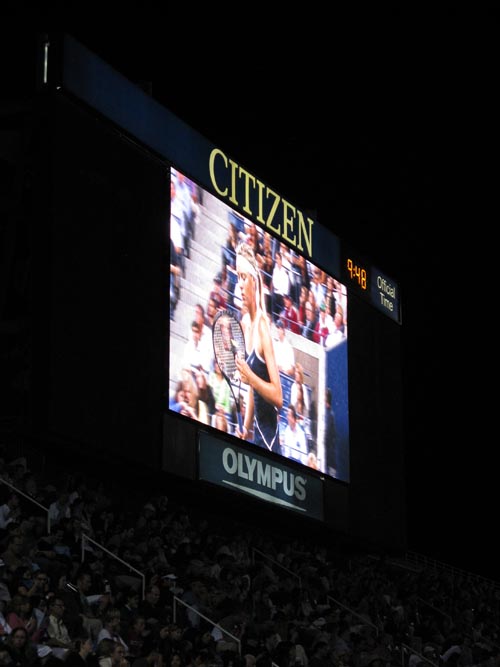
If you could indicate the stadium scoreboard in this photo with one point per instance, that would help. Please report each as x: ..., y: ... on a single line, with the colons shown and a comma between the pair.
x: 116, y: 145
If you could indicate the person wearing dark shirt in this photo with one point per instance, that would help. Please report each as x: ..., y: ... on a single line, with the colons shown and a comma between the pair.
x: 310, y: 321
x: 82, y: 654
x: 21, y: 649
x: 151, y: 608
x: 79, y: 615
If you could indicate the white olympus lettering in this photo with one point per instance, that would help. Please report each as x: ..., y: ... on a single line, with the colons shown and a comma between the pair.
x: 263, y: 474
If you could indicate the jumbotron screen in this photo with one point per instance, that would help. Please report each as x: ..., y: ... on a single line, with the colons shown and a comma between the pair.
x: 281, y: 381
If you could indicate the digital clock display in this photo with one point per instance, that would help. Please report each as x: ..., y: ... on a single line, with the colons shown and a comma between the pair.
x: 357, y: 273
x: 371, y: 284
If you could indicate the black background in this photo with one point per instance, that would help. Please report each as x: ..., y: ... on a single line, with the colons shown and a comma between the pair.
x: 380, y: 128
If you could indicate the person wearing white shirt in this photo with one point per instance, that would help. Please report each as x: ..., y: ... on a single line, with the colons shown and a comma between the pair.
x: 337, y: 332
x: 58, y: 637
x: 111, y: 628
x: 205, y: 335
x: 295, y: 442
x: 283, y: 351
x: 280, y: 285
x: 195, y: 353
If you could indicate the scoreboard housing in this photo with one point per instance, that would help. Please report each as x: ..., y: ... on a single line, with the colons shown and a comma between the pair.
x: 104, y: 334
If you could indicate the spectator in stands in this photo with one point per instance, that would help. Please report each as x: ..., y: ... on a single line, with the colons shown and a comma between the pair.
x: 220, y: 390
x: 196, y: 596
x: 301, y: 266
x: 173, y: 644
x: 41, y: 613
x: 188, y: 400
x: 10, y: 511
x: 211, y: 312
x: 289, y: 315
x: 111, y: 654
x: 81, y: 655
x: 152, y: 610
x: 73, y: 532
x: 81, y: 609
x: 338, y: 332
x: 299, y: 388
x: 217, y: 293
x: 206, y: 400
x: 129, y: 607
x: 330, y: 295
x: 310, y: 321
x: 252, y: 238
x: 205, y: 333
x: 19, y: 613
x: 301, y: 306
x: 58, y: 637
x: 111, y: 628
x: 51, y: 554
x: 22, y: 580
x: 21, y: 649
x: 324, y: 326
x: 136, y: 635
x: 288, y: 259
x: 340, y: 299
x: 301, y: 409
x: 59, y: 508
x: 317, y: 287
x: 283, y: 350
x: 177, y: 401
x: 295, y: 442
x: 195, y: 352
x: 153, y: 658
x: 280, y: 286
x: 33, y: 584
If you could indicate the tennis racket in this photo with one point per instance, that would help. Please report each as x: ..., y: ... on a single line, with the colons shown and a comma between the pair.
x: 229, y: 342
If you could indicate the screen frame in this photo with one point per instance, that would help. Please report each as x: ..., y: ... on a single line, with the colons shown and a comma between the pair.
x: 317, y: 390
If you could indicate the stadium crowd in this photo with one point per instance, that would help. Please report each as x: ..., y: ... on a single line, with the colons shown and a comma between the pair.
x: 95, y: 572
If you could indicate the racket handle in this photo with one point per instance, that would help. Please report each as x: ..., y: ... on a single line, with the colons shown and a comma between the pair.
x: 240, y: 423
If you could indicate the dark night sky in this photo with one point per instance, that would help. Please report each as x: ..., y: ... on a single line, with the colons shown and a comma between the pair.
x: 378, y: 137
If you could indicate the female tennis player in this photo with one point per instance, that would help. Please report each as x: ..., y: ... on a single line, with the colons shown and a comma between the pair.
x: 259, y: 371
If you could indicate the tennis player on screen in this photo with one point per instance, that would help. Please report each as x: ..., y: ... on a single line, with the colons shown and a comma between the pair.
x: 259, y: 371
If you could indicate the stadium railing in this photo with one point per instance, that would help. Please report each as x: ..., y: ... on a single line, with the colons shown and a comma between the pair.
x: 141, y: 575
x: 214, y: 624
x: 31, y: 500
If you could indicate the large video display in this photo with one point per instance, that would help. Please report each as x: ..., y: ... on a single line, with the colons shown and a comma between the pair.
x: 258, y: 335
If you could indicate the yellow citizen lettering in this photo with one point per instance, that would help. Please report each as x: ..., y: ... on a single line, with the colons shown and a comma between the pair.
x: 260, y: 200
x: 288, y: 220
x: 272, y: 212
x: 234, y: 170
x: 248, y: 178
x: 211, y: 167
x: 305, y: 233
